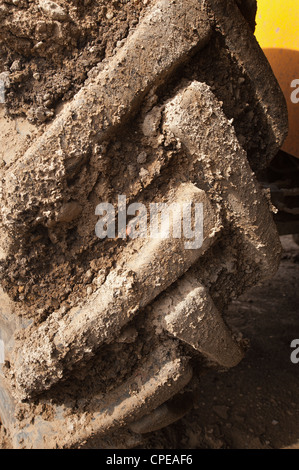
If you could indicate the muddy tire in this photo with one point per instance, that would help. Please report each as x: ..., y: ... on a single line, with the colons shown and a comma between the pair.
x: 105, y: 338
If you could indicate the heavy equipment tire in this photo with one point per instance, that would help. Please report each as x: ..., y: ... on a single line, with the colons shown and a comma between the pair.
x: 105, y: 339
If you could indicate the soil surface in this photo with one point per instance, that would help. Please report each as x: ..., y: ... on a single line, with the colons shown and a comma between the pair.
x: 256, y: 404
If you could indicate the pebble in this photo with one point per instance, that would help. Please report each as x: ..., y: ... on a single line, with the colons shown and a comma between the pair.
x: 52, y: 10
x: 142, y: 157
x: 109, y: 15
x: 88, y: 275
x: 40, y: 114
x: 39, y: 45
x: 89, y: 290
x: 69, y: 212
x: 100, y: 279
x: 16, y: 66
x: 120, y: 44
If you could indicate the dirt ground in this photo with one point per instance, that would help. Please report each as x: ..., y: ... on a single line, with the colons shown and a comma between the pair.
x: 256, y: 404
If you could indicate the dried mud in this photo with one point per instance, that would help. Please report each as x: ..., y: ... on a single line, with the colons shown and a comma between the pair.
x: 47, y: 56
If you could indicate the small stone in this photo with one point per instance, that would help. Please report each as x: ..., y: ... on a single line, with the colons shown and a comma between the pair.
x: 89, y: 290
x: 274, y: 422
x: 94, y: 265
x: 69, y: 212
x: 40, y: 114
x: 38, y: 45
x: 100, y: 278
x: 142, y: 157
x: 109, y: 15
x: 16, y: 66
x: 88, y: 275
x: 36, y: 76
x: 41, y: 27
x: 120, y: 44
x: 54, y: 11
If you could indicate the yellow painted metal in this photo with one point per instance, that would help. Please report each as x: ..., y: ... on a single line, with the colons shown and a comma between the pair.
x: 278, y: 34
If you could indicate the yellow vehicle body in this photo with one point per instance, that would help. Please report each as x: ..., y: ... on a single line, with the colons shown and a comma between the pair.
x: 278, y: 34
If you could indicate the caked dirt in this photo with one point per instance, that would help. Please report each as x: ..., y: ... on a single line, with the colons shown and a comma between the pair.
x: 256, y: 404
x: 49, y: 52
x: 47, y: 56
x: 57, y: 264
